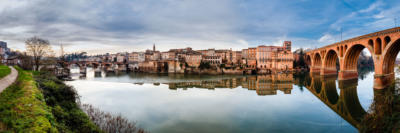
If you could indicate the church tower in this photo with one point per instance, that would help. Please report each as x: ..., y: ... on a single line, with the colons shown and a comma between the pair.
x: 154, y: 47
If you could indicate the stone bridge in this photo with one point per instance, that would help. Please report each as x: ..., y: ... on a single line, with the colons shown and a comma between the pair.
x: 383, y: 46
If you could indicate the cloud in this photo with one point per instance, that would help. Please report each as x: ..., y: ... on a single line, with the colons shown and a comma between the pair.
x: 100, y: 26
x: 372, y: 7
x: 326, y: 39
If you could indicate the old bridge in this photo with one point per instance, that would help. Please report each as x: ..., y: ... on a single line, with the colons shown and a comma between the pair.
x: 383, y: 46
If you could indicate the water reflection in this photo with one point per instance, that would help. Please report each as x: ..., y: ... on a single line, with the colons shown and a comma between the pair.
x: 263, y: 85
x: 345, y: 103
x: 349, y: 99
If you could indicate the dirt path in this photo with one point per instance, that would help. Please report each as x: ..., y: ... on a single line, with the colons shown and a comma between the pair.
x: 9, y: 79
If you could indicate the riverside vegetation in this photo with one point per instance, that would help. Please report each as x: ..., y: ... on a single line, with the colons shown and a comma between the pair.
x: 39, y: 102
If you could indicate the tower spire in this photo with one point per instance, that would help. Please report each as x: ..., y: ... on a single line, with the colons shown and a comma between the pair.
x: 154, y: 47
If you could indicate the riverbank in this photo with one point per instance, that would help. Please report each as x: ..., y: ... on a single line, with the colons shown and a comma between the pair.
x: 63, y: 102
x: 24, y: 108
x: 71, y: 116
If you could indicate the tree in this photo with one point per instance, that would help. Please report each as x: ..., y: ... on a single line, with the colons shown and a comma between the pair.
x: 204, y: 65
x: 38, y: 48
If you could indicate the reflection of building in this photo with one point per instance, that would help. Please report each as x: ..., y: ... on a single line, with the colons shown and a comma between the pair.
x: 268, y: 84
x: 264, y: 85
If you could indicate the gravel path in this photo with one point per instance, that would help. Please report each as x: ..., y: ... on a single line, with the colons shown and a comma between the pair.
x: 9, y: 79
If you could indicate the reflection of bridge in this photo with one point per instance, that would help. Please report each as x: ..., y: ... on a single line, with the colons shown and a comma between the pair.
x: 383, y: 46
x: 263, y: 85
x: 346, y: 103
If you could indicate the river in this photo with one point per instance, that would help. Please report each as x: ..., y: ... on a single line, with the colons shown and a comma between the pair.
x: 226, y: 104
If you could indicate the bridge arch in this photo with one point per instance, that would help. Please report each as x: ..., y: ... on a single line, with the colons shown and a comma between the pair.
x: 308, y: 60
x: 389, y: 56
x: 330, y: 59
x: 330, y: 91
x: 317, y: 60
x: 351, y: 56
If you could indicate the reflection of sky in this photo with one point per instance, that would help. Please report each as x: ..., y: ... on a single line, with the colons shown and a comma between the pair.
x: 365, y: 91
x: 159, y: 109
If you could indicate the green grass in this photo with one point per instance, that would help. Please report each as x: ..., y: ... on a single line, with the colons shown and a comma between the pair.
x: 23, y: 108
x: 4, y: 71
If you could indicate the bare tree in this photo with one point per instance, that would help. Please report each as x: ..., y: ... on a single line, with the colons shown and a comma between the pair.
x: 109, y: 122
x: 38, y: 48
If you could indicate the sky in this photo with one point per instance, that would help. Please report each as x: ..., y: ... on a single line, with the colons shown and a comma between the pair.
x: 101, y: 26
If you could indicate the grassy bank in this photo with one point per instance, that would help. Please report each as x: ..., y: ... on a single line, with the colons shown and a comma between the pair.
x: 23, y: 109
x: 62, y: 100
x: 39, y: 102
x: 4, y: 71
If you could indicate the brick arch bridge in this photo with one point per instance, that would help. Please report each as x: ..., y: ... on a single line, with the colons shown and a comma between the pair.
x: 383, y: 47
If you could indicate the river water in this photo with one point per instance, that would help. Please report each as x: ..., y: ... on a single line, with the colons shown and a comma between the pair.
x: 228, y: 104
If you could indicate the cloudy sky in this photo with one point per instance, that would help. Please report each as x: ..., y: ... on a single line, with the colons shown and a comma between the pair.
x: 99, y: 26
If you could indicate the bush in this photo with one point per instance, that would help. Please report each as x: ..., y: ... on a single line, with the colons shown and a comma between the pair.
x: 110, y: 123
x: 63, y: 100
x: 204, y: 65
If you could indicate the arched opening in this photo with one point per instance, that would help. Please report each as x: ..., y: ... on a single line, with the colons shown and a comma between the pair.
x: 353, y: 55
x: 317, y: 60
x: 341, y: 51
x: 352, y: 103
x: 317, y: 85
x: 308, y: 60
x: 390, y: 57
x: 378, y: 46
x: 386, y: 42
x: 331, y: 92
x: 332, y: 61
x: 371, y: 43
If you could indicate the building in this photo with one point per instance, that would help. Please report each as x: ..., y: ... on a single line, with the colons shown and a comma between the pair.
x: 208, y: 52
x: 236, y: 57
x: 274, y: 58
x: 250, y: 60
x: 141, y: 57
x: 133, y: 57
x: 120, y: 58
x: 164, y: 55
x: 4, y: 50
x: 193, y: 59
x: 213, y: 60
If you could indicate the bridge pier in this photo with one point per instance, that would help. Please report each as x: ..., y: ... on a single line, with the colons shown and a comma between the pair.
x: 347, y: 74
x: 382, y: 81
x: 315, y: 69
x: 328, y: 71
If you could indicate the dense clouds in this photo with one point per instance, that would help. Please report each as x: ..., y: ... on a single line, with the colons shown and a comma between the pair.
x: 111, y: 26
